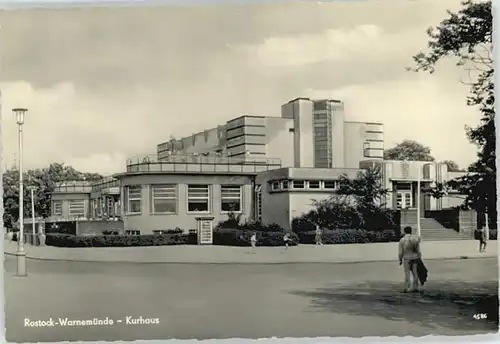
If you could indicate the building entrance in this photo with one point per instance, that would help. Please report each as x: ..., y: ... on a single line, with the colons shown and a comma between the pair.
x: 404, y: 195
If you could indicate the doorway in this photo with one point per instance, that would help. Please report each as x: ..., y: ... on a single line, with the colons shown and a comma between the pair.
x: 404, y: 195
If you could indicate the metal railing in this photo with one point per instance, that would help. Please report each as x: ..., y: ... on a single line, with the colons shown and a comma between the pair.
x: 201, y: 164
x: 75, y: 186
x: 107, y: 184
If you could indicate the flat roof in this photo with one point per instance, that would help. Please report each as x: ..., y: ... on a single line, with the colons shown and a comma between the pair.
x: 308, y: 173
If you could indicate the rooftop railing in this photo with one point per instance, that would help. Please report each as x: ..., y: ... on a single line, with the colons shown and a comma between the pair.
x: 201, y: 164
x: 75, y: 186
x: 107, y: 184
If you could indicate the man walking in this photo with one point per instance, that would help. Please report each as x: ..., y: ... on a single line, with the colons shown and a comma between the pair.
x: 409, y: 254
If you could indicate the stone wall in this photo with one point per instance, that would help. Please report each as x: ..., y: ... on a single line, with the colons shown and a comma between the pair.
x: 467, y: 222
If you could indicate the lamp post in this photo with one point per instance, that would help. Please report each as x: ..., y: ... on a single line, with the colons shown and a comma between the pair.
x: 20, y: 254
x: 32, y: 191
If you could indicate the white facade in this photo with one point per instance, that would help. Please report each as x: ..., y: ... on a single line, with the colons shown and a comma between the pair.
x: 288, y: 193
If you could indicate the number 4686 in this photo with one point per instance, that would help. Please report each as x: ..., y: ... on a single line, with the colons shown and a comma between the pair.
x: 480, y: 316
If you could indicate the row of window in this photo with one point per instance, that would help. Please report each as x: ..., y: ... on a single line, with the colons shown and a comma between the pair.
x: 281, y: 185
x: 76, y: 208
x: 164, y: 199
x: 105, y: 207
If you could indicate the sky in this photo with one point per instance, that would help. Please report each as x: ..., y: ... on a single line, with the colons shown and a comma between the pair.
x: 105, y: 84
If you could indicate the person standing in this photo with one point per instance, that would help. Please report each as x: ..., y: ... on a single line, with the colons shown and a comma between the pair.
x: 253, y: 242
x: 286, y: 239
x: 482, y: 240
x: 317, y: 238
x: 409, y: 254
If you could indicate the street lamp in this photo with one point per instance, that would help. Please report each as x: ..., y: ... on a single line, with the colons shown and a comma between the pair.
x: 32, y: 191
x: 20, y: 254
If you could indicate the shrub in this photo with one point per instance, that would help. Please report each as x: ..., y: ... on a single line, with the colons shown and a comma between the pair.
x: 110, y: 233
x: 493, y: 234
x: 65, y: 240
x: 350, y: 236
x: 222, y: 236
x: 176, y: 230
x: 233, y: 222
x: 241, y: 237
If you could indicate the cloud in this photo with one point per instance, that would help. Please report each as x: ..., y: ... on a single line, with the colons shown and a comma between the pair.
x: 105, y: 84
x: 421, y: 107
x: 64, y: 124
x: 367, y: 42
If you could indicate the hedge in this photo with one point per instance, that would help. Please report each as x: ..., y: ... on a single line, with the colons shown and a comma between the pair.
x: 227, y: 237
x: 222, y: 237
x: 241, y: 237
x: 65, y: 240
x: 350, y: 236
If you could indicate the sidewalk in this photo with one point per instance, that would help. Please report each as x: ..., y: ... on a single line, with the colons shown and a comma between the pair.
x: 264, y: 255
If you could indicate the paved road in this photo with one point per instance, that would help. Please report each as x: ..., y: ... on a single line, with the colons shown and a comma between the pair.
x: 250, y: 301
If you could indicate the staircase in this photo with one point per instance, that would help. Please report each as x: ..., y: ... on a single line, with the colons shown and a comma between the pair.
x: 445, y: 234
x: 431, y: 230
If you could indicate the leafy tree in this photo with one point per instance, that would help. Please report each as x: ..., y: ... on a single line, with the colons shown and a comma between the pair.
x: 44, y: 181
x: 467, y: 37
x: 367, y: 188
x: 358, y: 203
x: 409, y: 150
x: 452, y: 166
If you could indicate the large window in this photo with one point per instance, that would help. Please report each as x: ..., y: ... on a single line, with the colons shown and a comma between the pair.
x: 93, y: 208
x: 298, y: 184
x: 330, y: 184
x: 322, y: 138
x: 314, y: 184
x: 57, y: 208
x: 134, y: 199
x: 163, y: 199
x: 198, y: 198
x: 230, y: 198
x: 258, y: 199
x: 77, y: 208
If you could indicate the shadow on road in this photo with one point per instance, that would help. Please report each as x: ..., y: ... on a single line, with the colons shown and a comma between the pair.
x: 450, y: 304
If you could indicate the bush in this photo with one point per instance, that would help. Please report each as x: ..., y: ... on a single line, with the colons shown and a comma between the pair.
x: 493, y: 234
x: 110, y: 233
x: 222, y: 236
x: 65, y: 240
x: 177, y: 230
x: 233, y: 222
x: 241, y: 237
x: 335, y: 213
x: 350, y: 236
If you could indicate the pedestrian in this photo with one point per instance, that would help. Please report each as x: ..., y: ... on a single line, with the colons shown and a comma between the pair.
x: 253, y: 242
x: 482, y: 240
x: 409, y: 254
x: 317, y: 238
x: 286, y: 239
